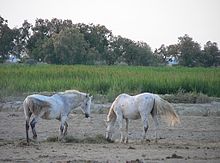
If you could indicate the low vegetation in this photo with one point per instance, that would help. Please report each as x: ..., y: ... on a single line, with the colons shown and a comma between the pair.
x: 108, y: 80
x: 97, y: 139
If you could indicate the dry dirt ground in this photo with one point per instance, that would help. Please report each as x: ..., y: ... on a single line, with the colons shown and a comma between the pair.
x: 196, y: 139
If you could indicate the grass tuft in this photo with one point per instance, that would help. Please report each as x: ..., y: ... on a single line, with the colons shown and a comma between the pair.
x: 98, y: 139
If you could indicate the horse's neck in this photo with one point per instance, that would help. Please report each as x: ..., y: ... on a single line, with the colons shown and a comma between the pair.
x: 73, y: 101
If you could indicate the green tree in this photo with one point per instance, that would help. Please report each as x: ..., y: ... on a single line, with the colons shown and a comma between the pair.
x: 42, y: 31
x: 97, y: 36
x: 21, y: 39
x: 115, y: 50
x: 37, y: 39
x: 161, y: 53
x: 211, y: 54
x: 133, y: 53
x: 126, y: 50
x: 144, y: 55
x: 189, y: 52
x: 67, y: 47
x: 56, y: 25
x: 7, y: 36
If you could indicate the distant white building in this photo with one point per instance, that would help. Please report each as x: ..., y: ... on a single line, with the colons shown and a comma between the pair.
x: 172, y: 61
x: 13, y: 59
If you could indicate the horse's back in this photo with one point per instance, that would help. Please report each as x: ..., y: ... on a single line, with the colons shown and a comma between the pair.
x: 47, y: 107
x: 133, y: 106
x: 53, y: 100
x: 144, y: 95
x: 40, y: 97
x: 36, y: 101
x: 136, y: 99
x: 123, y: 95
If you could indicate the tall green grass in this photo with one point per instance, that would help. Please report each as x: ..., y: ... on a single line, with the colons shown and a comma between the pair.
x: 108, y: 80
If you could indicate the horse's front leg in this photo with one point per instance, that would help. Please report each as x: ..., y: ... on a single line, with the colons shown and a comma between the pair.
x: 120, y: 123
x: 126, y: 136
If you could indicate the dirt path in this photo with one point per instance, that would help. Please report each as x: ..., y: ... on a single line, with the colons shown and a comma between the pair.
x: 196, y: 139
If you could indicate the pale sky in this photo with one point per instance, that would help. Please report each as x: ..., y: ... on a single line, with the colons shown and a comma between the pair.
x: 155, y: 22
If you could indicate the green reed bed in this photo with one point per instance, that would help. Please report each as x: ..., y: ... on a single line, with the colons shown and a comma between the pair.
x: 108, y: 80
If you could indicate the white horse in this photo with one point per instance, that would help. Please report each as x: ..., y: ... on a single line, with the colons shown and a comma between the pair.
x: 136, y: 107
x: 57, y: 106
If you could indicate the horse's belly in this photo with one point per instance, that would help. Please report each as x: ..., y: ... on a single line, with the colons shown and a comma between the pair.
x: 132, y: 115
x: 51, y: 114
x: 54, y: 116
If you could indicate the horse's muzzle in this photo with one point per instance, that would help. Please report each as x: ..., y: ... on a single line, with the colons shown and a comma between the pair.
x: 86, y: 115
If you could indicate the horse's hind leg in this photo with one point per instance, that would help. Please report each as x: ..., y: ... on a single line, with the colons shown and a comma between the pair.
x: 145, y: 124
x: 27, y: 126
x: 33, y: 123
x: 156, y: 124
x: 65, y: 128
x: 27, y: 129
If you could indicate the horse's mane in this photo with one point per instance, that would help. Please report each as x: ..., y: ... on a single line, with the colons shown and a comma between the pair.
x: 74, y: 91
x: 111, y: 113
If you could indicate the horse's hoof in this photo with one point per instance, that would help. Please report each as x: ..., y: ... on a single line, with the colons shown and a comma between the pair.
x: 61, y: 139
x: 147, y: 140
x: 108, y: 140
x: 122, y: 140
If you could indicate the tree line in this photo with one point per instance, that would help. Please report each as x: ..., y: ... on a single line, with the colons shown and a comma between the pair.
x: 59, y: 41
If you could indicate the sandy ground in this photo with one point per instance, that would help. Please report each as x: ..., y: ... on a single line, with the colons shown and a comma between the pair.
x: 196, y: 139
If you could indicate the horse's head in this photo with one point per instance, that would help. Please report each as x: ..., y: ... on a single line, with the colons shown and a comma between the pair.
x: 81, y: 99
x: 86, y: 105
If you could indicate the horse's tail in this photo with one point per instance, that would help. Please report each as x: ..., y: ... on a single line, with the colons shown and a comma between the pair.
x: 163, y: 107
x: 27, y: 111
